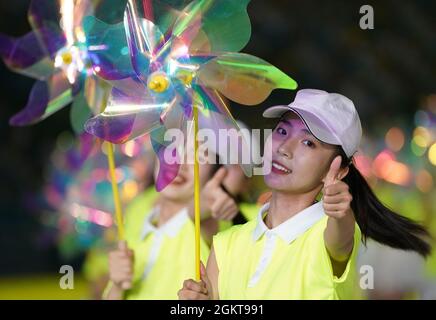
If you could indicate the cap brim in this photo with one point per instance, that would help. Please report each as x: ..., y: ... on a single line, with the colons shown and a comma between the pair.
x: 276, y: 111
x: 314, y: 124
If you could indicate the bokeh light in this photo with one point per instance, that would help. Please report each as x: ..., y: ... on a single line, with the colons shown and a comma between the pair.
x: 387, y: 168
x: 421, y: 137
x: 424, y: 181
x: 422, y: 119
x: 394, y: 139
x: 416, y: 149
x: 432, y: 154
x: 363, y: 164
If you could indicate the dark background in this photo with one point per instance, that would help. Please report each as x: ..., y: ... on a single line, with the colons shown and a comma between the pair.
x: 387, y: 72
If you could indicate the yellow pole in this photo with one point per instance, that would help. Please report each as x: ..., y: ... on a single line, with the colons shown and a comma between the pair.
x: 115, y: 193
x: 196, y: 198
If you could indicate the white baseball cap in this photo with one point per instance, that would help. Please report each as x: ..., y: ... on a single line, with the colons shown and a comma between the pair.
x: 331, y: 117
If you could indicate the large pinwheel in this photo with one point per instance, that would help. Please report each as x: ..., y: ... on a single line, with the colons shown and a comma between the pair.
x: 162, y: 66
x: 55, y: 54
x: 168, y: 66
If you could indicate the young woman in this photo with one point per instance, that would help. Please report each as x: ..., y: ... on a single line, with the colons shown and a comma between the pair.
x: 299, y: 248
x: 159, y: 231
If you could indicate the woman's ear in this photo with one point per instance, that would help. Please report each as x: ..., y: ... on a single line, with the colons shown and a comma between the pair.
x: 343, y: 173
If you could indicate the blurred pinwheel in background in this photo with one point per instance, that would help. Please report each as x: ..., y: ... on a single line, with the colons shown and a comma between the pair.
x: 171, y: 60
x: 77, y: 196
x: 55, y: 54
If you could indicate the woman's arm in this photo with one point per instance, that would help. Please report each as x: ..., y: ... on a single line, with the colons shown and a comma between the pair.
x: 339, y: 237
x: 339, y: 232
x: 120, y: 272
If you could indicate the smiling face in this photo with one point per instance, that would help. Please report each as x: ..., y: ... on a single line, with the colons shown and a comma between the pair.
x: 181, y: 189
x: 298, y: 162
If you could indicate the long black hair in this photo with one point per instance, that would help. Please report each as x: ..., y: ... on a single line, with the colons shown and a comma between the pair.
x: 378, y: 222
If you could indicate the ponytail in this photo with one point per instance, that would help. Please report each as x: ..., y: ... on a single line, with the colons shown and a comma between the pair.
x: 378, y: 222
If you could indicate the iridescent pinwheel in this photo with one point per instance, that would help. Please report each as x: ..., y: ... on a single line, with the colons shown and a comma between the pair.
x: 165, y: 64
x: 55, y: 54
x: 181, y: 62
x: 77, y: 195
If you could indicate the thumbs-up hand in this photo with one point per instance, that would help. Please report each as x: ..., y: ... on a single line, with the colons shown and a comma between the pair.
x: 193, y: 290
x: 215, y: 200
x: 121, y: 266
x: 336, y: 195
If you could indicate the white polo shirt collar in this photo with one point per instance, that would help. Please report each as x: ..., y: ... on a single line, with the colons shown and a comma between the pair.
x: 170, y: 228
x: 292, y: 228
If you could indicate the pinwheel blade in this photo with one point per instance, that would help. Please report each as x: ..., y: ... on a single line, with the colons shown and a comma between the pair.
x: 26, y: 55
x: 231, y: 144
x: 220, y: 25
x: 128, y: 116
x: 45, y: 15
x: 170, y: 151
x: 96, y: 92
x: 79, y: 113
x: 243, y: 78
x: 142, y: 38
x: 163, y: 13
x: 45, y: 98
x: 107, y: 48
x: 90, y: 101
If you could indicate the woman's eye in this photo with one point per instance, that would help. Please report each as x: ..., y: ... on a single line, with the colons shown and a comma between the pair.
x: 309, y: 143
x: 281, y: 131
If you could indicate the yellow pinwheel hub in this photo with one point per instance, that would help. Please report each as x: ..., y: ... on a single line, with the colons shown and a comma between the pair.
x: 67, y: 57
x: 158, y: 82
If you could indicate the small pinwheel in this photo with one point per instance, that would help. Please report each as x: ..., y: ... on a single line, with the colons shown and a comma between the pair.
x: 163, y: 65
x: 55, y: 54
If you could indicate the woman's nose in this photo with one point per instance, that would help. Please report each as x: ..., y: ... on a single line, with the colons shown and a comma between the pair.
x: 286, y: 148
